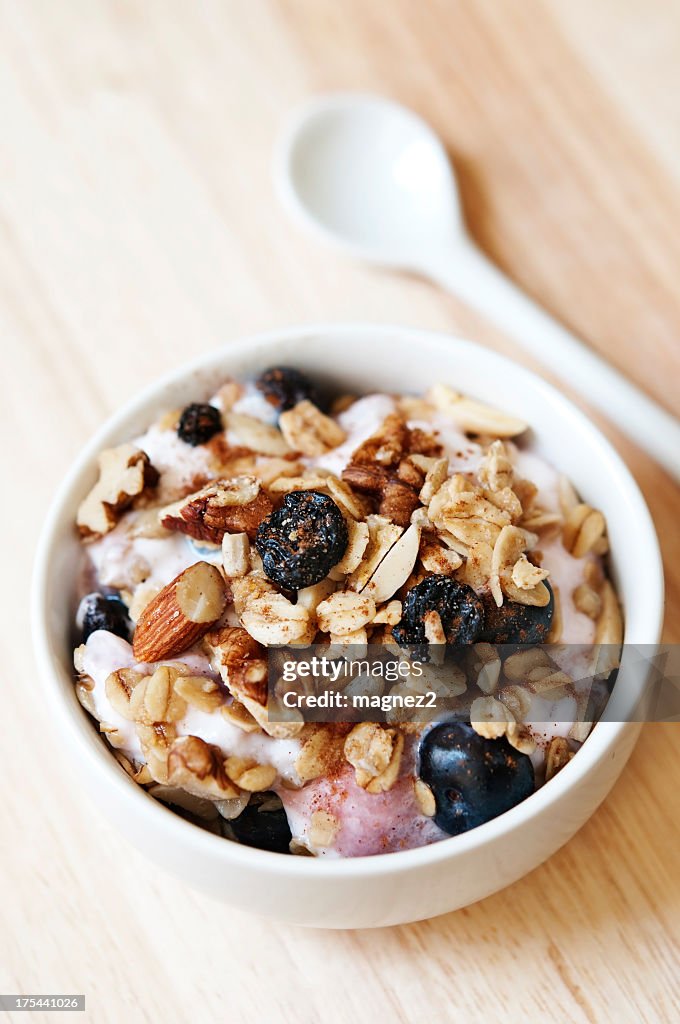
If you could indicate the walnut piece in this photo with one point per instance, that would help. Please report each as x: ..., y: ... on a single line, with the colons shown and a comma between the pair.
x: 125, y: 473
x: 223, y: 506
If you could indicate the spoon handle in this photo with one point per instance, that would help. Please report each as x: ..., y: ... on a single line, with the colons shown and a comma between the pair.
x: 469, y: 275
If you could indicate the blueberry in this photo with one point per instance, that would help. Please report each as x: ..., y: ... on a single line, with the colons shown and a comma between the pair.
x: 263, y: 828
x: 300, y: 542
x: 198, y: 423
x: 284, y: 387
x: 460, y: 610
x: 473, y: 779
x: 97, y: 611
x: 514, y: 623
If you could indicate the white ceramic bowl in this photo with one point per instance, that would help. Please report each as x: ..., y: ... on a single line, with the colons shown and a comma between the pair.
x: 396, y: 887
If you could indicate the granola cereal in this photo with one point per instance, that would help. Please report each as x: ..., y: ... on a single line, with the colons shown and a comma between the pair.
x: 405, y: 524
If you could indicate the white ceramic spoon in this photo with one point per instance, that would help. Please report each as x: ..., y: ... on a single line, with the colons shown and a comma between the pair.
x: 372, y: 177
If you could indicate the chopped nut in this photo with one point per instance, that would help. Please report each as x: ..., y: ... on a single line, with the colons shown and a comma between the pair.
x: 521, y: 738
x: 527, y: 576
x: 476, y: 570
x: 517, y: 700
x: 424, y: 798
x: 410, y: 473
x: 139, y: 772
x: 518, y: 666
x: 398, y: 500
x: 385, y: 780
x: 583, y: 528
x: 307, y: 430
x: 375, y: 754
x: 546, y: 679
x: 508, y: 550
x: 434, y: 478
x: 580, y: 731
x: 236, y: 554
x: 323, y: 828
x: 223, y: 506
x: 237, y: 714
x: 434, y: 631
x: 84, y: 688
x: 180, y: 614
x: 609, y: 629
x: 489, y: 717
x: 124, y: 474
x: 346, y: 499
x: 311, y: 597
x: 198, y: 767
x: 386, y: 446
x: 587, y: 601
x: 162, y: 702
x: 495, y: 470
x: 319, y: 754
x: 200, y: 692
x: 155, y: 741
x: 118, y: 688
x: 239, y: 659
x: 144, y: 594
x: 485, y: 665
x: 389, y: 614
x: 249, y: 775
x: 153, y: 698
x: 438, y: 559
x: 557, y: 756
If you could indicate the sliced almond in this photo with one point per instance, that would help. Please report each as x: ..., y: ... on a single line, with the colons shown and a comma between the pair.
x: 395, y: 568
x: 382, y: 535
x: 474, y: 417
x: 252, y: 433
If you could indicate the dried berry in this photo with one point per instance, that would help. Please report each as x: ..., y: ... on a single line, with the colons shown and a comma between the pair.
x: 301, y: 542
x: 99, y: 612
x: 515, y: 623
x: 459, y: 608
x: 263, y: 824
x: 284, y: 387
x: 198, y: 423
x: 473, y: 779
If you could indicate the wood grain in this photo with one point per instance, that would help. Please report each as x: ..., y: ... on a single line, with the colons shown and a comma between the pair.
x: 138, y: 227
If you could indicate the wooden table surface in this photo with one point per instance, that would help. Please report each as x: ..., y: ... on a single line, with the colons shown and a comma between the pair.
x: 137, y: 228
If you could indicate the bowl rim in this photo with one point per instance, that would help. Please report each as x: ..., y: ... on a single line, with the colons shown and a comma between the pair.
x: 174, y: 829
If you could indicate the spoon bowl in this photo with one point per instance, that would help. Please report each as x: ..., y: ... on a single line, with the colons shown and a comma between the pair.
x: 371, y: 176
